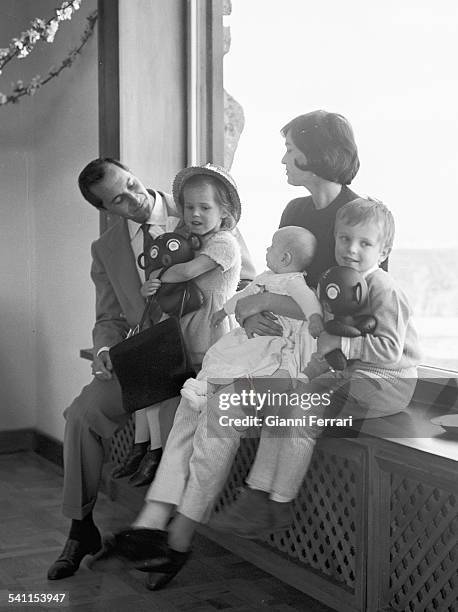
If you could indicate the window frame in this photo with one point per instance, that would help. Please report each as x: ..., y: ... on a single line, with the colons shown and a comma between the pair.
x: 206, y: 92
x: 205, y: 82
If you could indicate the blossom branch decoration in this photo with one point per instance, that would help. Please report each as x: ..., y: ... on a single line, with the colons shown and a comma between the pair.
x: 19, y: 89
x: 38, y: 30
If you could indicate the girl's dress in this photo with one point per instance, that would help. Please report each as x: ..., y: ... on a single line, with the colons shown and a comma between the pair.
x: 236, y: 355
x: 216, y: 285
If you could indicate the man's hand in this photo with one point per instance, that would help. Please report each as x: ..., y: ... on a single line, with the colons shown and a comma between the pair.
x: 327, y: 343
x: 262, y: 324
x: 101, y: 366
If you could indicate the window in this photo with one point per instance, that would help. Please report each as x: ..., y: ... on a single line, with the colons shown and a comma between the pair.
x: 390, y: 68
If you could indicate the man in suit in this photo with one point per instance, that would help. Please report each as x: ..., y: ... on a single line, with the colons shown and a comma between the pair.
x: 97, y: 413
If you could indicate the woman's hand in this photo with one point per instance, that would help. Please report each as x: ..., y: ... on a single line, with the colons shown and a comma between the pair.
x: 262, y: 324
x: 248, y: 306
x: 251, y: 314
x: 217, y: 317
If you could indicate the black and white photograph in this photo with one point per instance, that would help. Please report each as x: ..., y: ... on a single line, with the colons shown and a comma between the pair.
x: 229, y: 315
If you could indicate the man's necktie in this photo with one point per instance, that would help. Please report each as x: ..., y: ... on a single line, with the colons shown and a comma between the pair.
x: 155, y: 312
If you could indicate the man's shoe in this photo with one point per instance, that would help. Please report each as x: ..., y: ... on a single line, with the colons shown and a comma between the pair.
x: 162, y: 571
x: 131, y: 547
x: 132, y: 461
x: 147, y: 469
x: 73, y: 553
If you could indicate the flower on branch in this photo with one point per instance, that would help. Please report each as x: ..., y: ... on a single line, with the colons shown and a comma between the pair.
x: 33, y: 36
x: 34, y: 84
x: 20, y: 47
x: 50, y: 30
x: 19, y: 89
x: 19, y: 86
x: 65, y: 13
x: 38, y: 24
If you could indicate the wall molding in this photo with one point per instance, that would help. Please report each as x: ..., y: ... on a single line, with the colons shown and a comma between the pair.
x: 19, y: 440
x: 16, y: 440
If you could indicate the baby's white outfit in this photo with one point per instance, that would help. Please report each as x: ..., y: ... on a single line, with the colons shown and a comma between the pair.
x: 235, y: 355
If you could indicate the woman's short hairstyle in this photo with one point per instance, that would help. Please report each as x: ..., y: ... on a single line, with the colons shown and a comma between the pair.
x: 327, y: 141
x: 222, y: 197
x: 371, y: 211
x: 92, y: 174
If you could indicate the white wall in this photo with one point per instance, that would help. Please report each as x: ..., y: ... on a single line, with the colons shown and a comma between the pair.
x: 153, y: 94
x: 47, y: 298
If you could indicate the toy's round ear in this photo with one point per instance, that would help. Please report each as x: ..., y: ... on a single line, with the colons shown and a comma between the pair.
x: 141, y: 261
x: 358, y: 292
x: 195, y: 241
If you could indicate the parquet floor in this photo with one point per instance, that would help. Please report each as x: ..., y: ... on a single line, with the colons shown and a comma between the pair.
x: 33, y: 531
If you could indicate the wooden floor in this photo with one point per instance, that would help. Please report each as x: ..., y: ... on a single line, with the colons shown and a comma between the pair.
x: 33, y: 531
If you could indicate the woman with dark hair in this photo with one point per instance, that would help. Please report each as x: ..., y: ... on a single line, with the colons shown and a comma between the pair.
x: 322, y: 156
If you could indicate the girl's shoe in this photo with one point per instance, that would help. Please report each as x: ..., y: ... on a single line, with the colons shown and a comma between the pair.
x: 147, y: 469
x: 132, y: 461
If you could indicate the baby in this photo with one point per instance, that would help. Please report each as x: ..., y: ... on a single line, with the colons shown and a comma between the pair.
x: 235, y: 355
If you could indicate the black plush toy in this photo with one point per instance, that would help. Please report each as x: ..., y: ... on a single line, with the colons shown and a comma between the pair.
x: 163, y: 252
x: 343, y: 292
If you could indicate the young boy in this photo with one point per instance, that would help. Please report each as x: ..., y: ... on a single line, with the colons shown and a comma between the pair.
x: 379, y: 379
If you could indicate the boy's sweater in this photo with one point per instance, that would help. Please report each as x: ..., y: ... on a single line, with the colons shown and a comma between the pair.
x: 394, y: 344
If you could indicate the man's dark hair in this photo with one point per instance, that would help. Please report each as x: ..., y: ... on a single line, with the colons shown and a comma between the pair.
x: 327, y: 141
x: 92, y: 174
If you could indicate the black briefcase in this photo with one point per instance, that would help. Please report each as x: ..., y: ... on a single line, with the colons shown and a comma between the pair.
x: 152, y: 365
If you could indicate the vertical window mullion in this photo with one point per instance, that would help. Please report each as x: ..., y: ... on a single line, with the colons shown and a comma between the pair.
x: 205, y: 82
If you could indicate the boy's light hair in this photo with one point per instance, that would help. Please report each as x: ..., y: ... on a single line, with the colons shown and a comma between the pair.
x: 300, y: 243
x: 368, y: 210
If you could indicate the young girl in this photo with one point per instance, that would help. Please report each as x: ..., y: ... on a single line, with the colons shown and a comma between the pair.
x: 209, y: 202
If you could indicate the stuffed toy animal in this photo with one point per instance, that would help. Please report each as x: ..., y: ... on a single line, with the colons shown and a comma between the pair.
x: 163, y: 252
x: 343, y: 292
